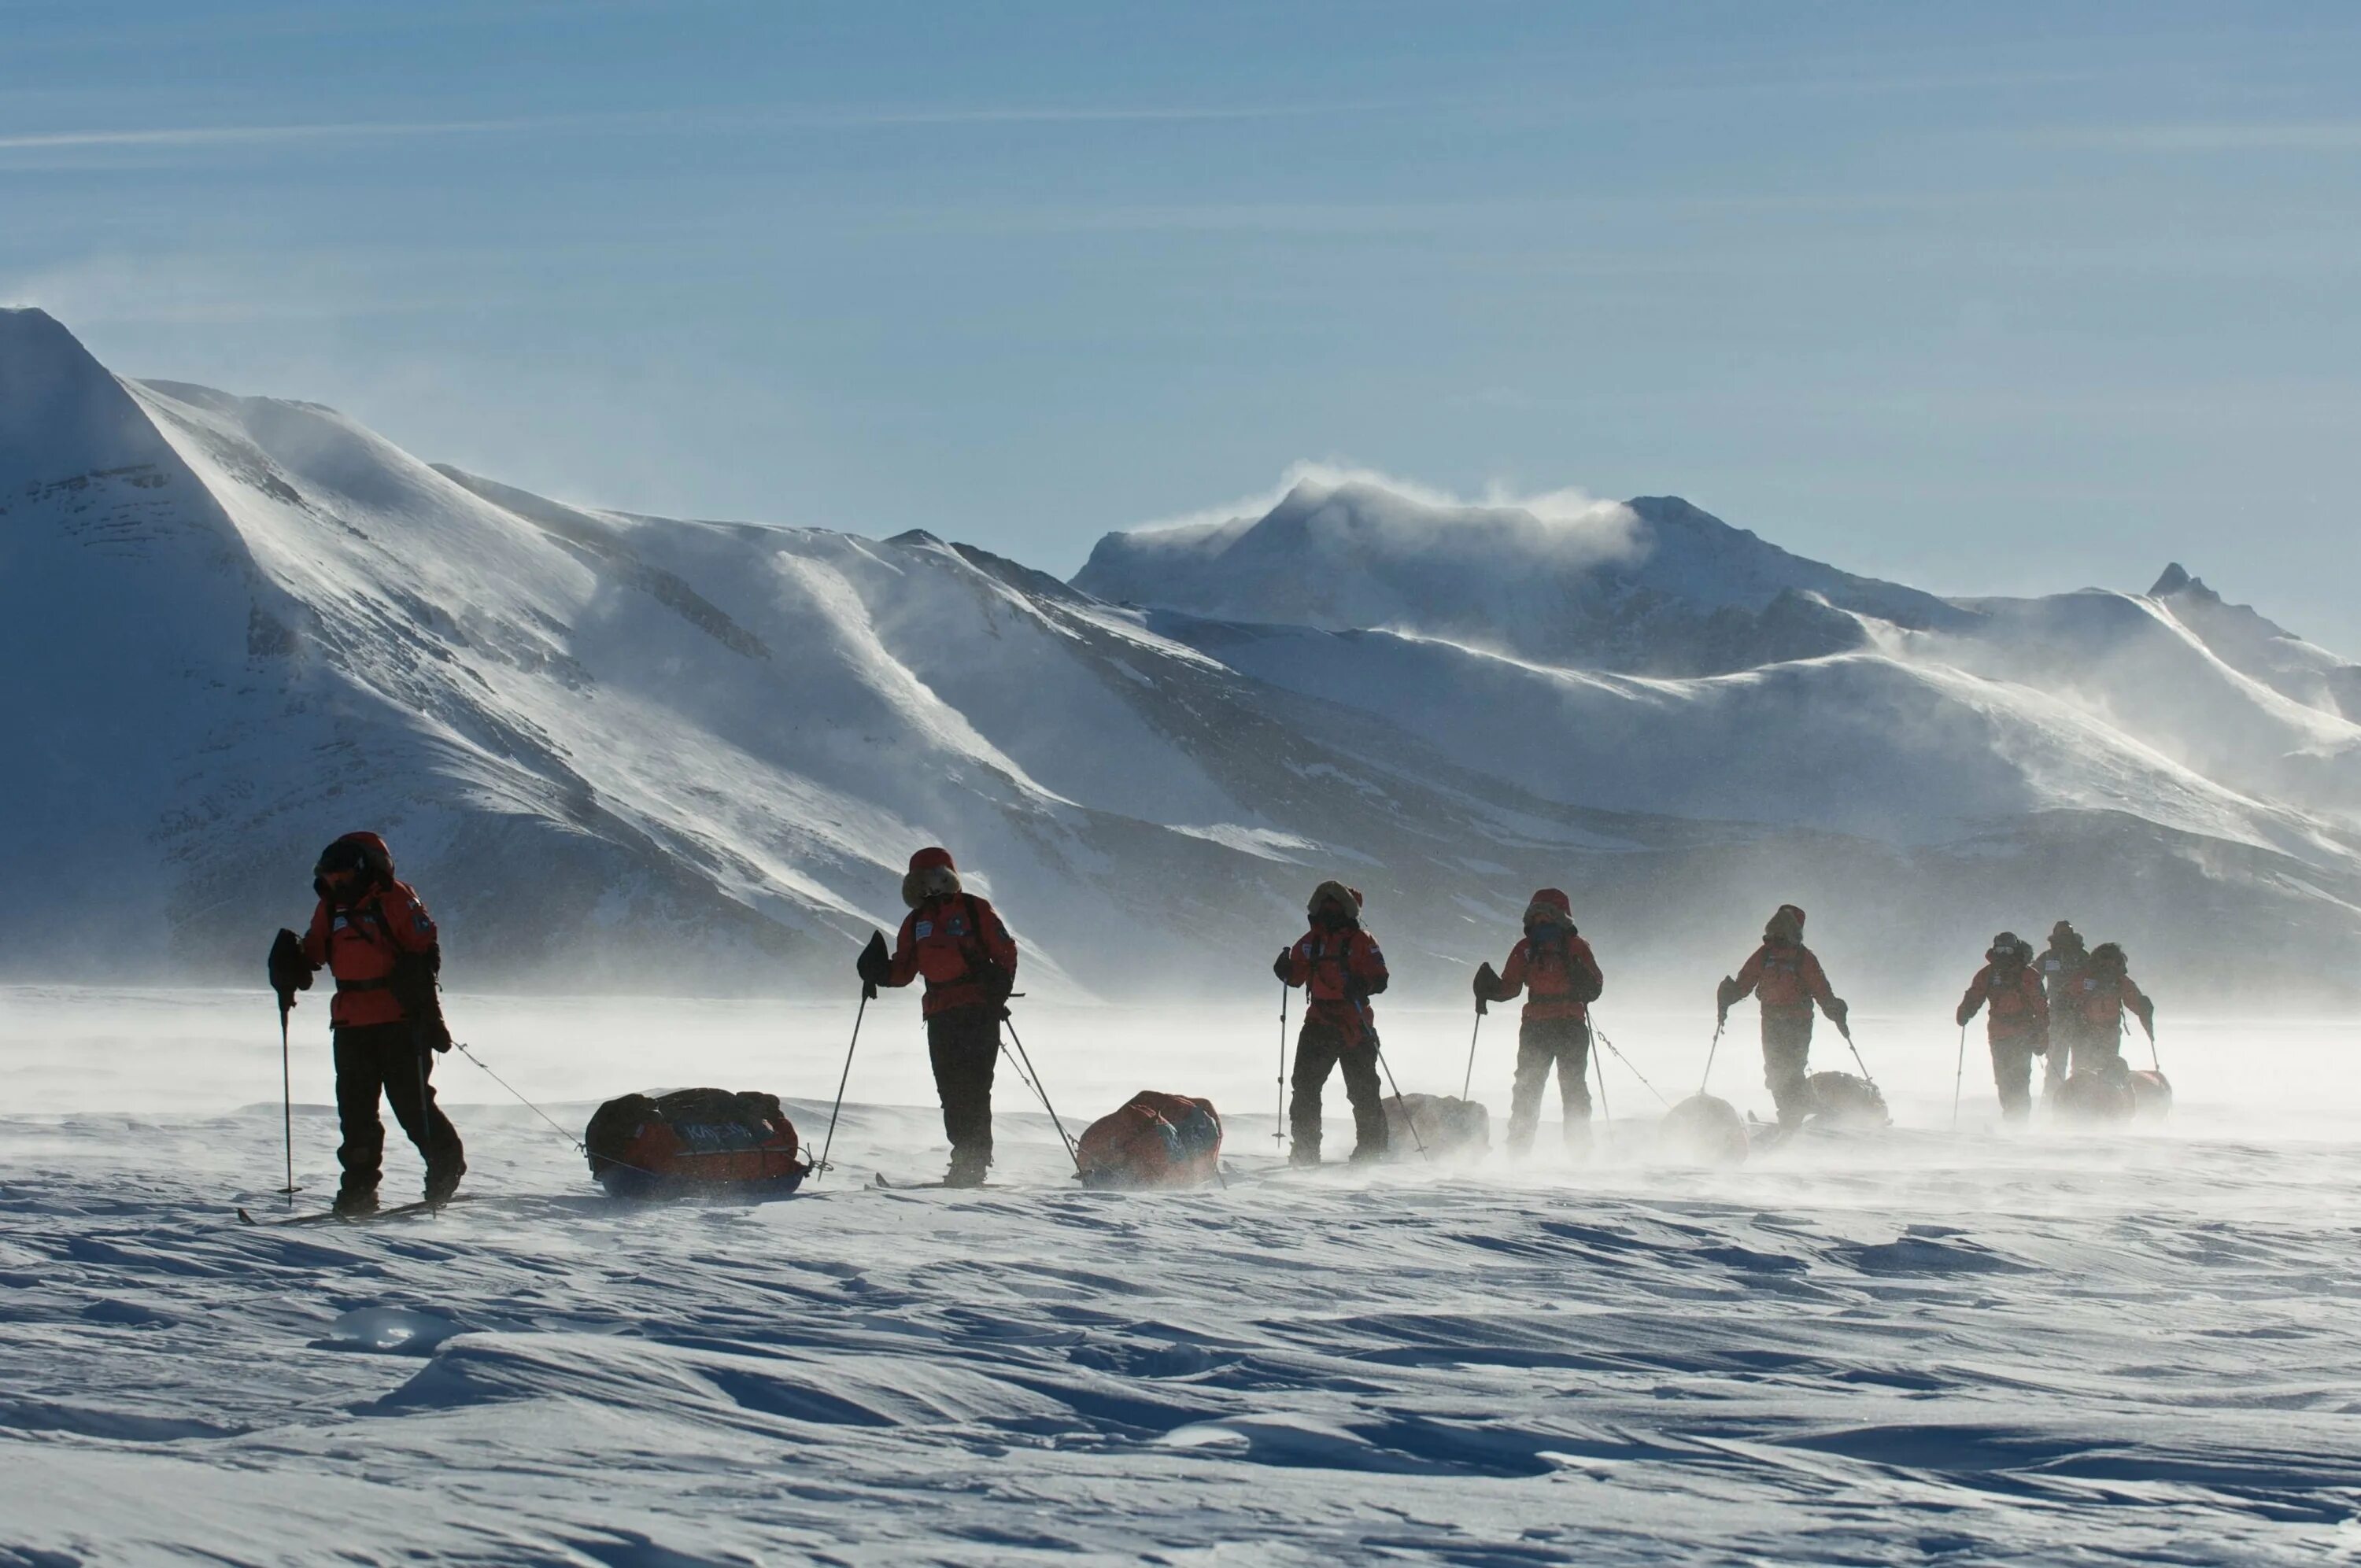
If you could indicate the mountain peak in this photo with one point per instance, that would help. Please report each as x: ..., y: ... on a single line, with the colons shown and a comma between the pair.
x: 2176, y: 578
x: 62, y: 414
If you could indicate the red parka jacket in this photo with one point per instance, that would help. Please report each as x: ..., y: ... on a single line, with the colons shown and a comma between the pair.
x: 359, y: 945
x: 1559, y: 978
x: 942, y: 940
x: 2020, y: 1008
x: 1788, y: 980
x: 1340, y: 969
x: 2099, y: 1001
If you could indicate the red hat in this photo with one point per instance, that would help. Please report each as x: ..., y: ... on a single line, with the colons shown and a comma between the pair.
x: 932, y: 857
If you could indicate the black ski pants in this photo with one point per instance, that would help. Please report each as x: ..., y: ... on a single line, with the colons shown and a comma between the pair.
x: 1787, y: 1063
x: 1319, y: 1050
x: 385, y: 1059
x: 2011, y: 1060
x: 1544, y: 1044
x: 964, y: 1046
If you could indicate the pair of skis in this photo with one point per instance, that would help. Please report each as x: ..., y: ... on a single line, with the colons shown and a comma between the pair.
x: 322, y: 1217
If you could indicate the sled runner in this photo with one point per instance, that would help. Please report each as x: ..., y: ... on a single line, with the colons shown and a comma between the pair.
x: 1155, y: 1140
x: 639, y: 1146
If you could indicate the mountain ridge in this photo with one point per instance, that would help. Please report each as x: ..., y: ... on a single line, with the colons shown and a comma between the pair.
x: 625, y: 751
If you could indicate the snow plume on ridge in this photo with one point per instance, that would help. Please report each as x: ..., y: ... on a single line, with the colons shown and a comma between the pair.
x: 1569, y: 528
x: 1340, y: 549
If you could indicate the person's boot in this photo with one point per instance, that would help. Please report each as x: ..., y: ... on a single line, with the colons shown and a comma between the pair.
x: 354, y: 1202
x: 442, y: 1179
x: 1303, y: 1152
x: 967, y: 1168
x: 1368, y: 1153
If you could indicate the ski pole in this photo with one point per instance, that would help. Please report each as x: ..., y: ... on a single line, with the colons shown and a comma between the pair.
x: 1468, y: 1083
x: 1635, y: 1072
x: 1278, y: 1128
x: 1958, y: 1075
x: 1409, y: 1120
x: 287, y: 1101
x: 1606, y: 1116
x: 2152, y: 1060
x: 842, y: 1078
x: 1033, y: 1079
x: 1867, y: 1076
x: 1719, y: 1025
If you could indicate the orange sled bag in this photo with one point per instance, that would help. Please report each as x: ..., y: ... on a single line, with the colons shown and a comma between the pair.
x: 691, y: 1139
x: 1155, y: 1140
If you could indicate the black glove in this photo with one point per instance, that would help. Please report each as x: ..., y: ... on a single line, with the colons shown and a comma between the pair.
x: 1838, y: 1012
x: 2040, y: 1044
x: 1725, y: 998
x: 1963, y: 1015
x: 1283, y: 966
x: 1488, y: 985
x: 289, y: 970
x: 873, y: 965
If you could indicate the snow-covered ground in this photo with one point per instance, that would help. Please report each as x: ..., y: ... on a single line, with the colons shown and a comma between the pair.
x: 1916, y: 1345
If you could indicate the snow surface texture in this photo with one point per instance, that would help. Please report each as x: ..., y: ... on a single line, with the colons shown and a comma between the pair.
x: 636, y: 752
x: 2129, y: 1347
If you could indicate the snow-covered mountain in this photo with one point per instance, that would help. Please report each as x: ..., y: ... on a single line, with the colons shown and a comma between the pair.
x: 619, y: 750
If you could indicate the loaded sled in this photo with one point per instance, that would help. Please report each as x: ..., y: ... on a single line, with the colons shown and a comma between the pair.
x: 694, y: 1140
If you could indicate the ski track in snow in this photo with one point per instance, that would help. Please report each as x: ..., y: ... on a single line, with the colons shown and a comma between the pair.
x: 1897, y: 1348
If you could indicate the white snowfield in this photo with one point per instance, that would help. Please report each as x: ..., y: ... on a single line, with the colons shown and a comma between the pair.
x: 2124, y: 1347
x: 626, y: 752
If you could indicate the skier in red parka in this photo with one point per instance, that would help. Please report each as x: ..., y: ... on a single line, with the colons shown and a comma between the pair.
x: 1789, y: 980
x: 373, y: 934
x: 1339, y: 966
x: 956, y: 942
x: 2099, y: 998
x: 2018, y: 1027
x: 1553, y: 968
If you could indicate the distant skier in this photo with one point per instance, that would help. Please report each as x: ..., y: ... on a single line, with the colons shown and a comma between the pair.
x: 1789, y: 980
x: 2061, y: 966
x: 373, y: 934
x: 2102, y: 995
x: 956, y: 941
x: 1339, y: 966
x: 2018, y: 1027
x: 1556, y: 970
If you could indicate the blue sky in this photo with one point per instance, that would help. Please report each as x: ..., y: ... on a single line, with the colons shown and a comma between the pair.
x: 1990, y: 298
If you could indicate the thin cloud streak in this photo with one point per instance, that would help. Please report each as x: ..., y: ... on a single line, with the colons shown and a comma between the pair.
x: 818, y: 118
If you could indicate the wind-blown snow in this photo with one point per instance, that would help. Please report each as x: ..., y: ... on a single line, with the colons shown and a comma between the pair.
x: 2103, y: 1348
